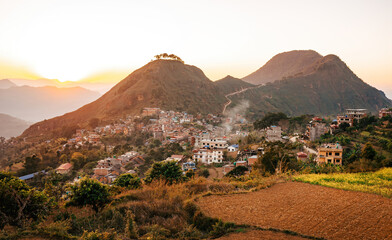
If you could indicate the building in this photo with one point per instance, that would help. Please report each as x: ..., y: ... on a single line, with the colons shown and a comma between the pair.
x: 385, y: 112
x: 227, y: 168
x: 186, y: 166
x: 233, y: 148
x: 301, y: 156
x: 315, y: 129
x: 330, y: 153
x: 351, y: 115
x: 252, y: 160
x: 64, y: 168
x: 208, y: 156
x: 217, y: 143
x: 274, y: 133
x: 176, y: 158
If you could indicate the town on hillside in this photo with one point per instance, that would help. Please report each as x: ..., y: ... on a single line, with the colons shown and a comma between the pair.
x: 203, y: 144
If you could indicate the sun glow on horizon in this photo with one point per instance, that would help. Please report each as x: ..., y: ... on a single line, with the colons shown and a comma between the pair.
x: 103, y: 41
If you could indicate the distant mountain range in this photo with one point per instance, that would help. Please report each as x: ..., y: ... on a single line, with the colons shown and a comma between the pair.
x: 11, y: 126
x: 38, y: 103
x: 100, y: 87
x: 296, y: 82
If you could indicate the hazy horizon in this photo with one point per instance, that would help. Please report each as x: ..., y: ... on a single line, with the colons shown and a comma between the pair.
x: 104, y: 42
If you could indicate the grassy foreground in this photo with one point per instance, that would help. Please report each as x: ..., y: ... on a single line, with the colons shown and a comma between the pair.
x: 379, y: 182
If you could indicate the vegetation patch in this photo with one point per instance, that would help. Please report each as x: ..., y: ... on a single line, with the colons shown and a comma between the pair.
x: 369, y: 182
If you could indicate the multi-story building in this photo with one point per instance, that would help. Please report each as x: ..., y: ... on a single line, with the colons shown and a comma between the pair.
x: 315, y: 129
x: 351, y: 115
x: 217, y: 143
x: 330, y: 153
x: 208, y: 156
x: 385, y: 112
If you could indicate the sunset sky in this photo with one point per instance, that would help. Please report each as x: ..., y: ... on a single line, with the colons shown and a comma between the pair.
x: 106, y: 40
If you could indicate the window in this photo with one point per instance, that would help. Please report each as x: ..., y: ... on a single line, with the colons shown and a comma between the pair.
x: 329, y: 161
x: 337, y: 154
x: 337, y: 161
x: 329, y: 154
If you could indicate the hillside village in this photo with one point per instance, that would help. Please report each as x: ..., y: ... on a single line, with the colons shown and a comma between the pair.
x: 205, y: 141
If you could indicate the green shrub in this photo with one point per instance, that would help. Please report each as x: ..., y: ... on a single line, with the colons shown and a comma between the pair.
x: 170, y: 172
x: 19, y: 202
x: 128, y: 180
x: 204, y: 173
x: 237, y: 171
x: 89, y: 192
x: 98, y: 236
x: 221, y: 228
x: 203, y: 222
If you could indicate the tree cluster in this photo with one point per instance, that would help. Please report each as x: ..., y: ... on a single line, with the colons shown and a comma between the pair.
x: 168, y: 56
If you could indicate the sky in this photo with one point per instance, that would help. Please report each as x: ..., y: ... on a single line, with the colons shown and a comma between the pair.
x: 99, y: 40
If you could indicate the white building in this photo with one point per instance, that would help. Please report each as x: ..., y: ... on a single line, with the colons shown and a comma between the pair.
x: 233, y: 148
x: 208, y: 156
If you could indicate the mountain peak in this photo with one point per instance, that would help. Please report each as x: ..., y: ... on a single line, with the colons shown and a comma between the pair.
x: 6, y: 83
x: 283, y: 65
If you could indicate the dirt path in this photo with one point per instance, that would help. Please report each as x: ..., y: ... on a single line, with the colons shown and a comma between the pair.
x: 234, y: 93
x: 307, y: 209
x: 215, y: 172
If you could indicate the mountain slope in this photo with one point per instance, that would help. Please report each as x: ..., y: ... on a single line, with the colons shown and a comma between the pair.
x: 167, y: 84
x: 327, y: 86
x: 11, y: 126
x: 6, y: 83
x: 37, y: 103
x: 231, y: 84
x: 283, y: 65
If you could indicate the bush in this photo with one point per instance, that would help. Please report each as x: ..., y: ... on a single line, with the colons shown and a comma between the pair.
x: 204, y: 173
x: 221, y: 228
x: 89, y: 192
x: 128, y: 180
x: 203, y: 222
x: 19, y: 202
x: 170, y: 172
x: 98, y: 236
x: 237, y: 171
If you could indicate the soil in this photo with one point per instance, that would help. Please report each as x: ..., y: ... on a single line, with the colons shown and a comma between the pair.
x: 258, y: 234
x: 307, y: 209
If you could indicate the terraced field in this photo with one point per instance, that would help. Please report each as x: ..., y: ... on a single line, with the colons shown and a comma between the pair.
x: 307, y: 209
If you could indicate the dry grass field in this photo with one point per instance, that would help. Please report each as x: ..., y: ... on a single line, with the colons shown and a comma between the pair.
x: 306, y: 209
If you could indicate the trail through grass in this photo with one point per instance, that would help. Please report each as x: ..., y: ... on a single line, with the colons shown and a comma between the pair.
x: 379, y: 182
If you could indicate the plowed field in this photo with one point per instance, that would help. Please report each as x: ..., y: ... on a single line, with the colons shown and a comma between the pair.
x: 258, y: 235
x: 307, y: 209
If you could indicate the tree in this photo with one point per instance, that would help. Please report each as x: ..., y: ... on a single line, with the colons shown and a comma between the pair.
x: 19, y: 202
x: 237, y: 171
x: 31, y: 164
x: 368, y: 151
x: 269, y: 119
x: 344, y: 126
x: 128, y: 180
x: 78, y: 160
x: 89, y: 192
x: 168, y: 171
